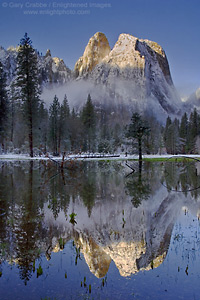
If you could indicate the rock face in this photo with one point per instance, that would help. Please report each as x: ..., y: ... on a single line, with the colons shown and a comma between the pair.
x: 128, y: 54
x: 51, y: 69
x: 193, y: 101
x: 8, y: 58
x: 133, y: 76
x: 97, y: 48
x: 134, y: 70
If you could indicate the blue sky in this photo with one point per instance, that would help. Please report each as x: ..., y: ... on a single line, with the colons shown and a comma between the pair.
x: 174, y: 24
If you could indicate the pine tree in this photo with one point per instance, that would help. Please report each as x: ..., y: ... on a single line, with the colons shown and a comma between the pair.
x: 43, y: 128
x: 193, y: 129
x: 28, y: 83
x: 167, y: 137
x: 104, y: 141
x: 175, y: 137
x: 89, y: 123
x: 54, y: 117
x: 88, y: 190
x: 153, y: 142
x: 76, y: 133
x: 171, y: 136
x: 138, y: 129
x: 64, y: 125
x: 117, y: 136
x: 183, y: 132
x: 13, y: 98
x: 65, y: 108
x: 4, y: 106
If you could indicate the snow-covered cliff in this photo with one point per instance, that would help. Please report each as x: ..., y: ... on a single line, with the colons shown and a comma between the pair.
x: 51, y: 69
x: 134, y: 75
x: 135, y: 71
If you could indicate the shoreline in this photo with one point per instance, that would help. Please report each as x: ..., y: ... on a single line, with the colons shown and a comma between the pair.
x: 86, y: 157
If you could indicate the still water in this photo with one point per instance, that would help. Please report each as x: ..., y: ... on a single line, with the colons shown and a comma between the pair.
x: 95, y: 231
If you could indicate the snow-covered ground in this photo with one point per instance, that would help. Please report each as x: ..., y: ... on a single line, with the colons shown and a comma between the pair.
x: 23, y: 157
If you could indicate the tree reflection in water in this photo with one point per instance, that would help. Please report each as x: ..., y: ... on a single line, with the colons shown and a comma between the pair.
x: 182, y: 175
x: 138, y: 186
x: 37, y: 206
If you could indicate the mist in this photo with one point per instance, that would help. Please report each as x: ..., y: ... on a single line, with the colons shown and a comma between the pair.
x: 119, y: 94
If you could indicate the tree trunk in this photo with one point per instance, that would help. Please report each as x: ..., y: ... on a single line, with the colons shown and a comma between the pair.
x: 59, y: 141
x: 140, y: 171
x: 31, y: 136
x: 140, y: 148
x: 12, y: 121
x: 31, y: 143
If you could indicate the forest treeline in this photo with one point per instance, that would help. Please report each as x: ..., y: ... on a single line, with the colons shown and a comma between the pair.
x: 28, y: 126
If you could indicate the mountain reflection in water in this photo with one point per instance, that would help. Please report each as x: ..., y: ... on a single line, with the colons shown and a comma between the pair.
x: 125, y: 219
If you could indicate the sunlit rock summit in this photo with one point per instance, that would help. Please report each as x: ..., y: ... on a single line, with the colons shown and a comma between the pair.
x: 97, y: 48
x: 135, y: 72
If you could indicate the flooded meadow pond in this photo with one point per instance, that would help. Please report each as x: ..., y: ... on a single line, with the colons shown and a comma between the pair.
x: 95, y: 231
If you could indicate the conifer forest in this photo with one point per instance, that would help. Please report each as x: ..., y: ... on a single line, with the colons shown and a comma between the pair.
x: 27, y: 125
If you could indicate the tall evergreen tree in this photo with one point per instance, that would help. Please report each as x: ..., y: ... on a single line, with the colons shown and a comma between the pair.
x: 153, y: 142
x: 76, y: 133
x: 65, y: 107
x: 138, y: 129
x: 4, y: 106
x: 104, y: 132
x: 12, y: 97
x: 28, y: 83
x: 167, y: 136
x: 89, y: 123
x: 183, y: 132
x: 175, y: 137
x: 171, y: 136
x: 43, y: 128
x: 64, y: 125
x: 168, y: 123
x: 54, y: 118
x: 193, y: 130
